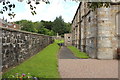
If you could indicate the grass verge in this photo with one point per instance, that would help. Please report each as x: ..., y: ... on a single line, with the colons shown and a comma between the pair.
x: 42, y: 65
x: 59, y: 41
x: 77, y: 53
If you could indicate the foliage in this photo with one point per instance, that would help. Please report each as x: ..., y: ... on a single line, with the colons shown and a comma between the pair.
x: 27, y: 26
x: 67, y: 27
x: 46, y: 27
x: 7, y: 6
x: 94, y: 5
x: 42, y: 65
x: 77, y: 53
x: 47, y: 24
x: 59, y: 26
x: 59, y: 41
x: 46, y: 31
x: 22, y: 76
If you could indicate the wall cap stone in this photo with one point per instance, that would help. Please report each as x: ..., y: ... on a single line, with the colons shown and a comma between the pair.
x: 4, y: 28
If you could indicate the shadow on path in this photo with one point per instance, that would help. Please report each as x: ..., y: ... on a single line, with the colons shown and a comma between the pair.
x: 65, y: 53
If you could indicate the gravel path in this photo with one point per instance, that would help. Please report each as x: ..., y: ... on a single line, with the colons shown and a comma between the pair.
x: 65, y: 53
x: 88, y: 68
x: 71, y: 67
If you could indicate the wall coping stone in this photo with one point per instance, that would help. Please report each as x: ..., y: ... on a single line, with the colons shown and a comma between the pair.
x: 10, y: 29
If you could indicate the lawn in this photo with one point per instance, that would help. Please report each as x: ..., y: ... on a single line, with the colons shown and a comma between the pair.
x: 42, y: 65
x: 59, y: 41
x: 77, y: 53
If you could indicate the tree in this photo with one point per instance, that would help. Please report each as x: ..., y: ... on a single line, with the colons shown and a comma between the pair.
x: 37, y: 27
x: 59, y: 25
x: 67, y: 27
x: 43, y: 30
x: 27, y: 26
x: 47, y: 24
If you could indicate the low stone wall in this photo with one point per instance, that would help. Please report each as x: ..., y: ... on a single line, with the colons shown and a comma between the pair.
x: 18, y: 46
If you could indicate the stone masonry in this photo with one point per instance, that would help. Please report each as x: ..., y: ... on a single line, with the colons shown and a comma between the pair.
x: 18, y: 46
x: 68, y: 39
x: 97, y: 32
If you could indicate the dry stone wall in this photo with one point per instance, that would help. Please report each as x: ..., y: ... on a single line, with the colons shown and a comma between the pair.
x: 18, y: 46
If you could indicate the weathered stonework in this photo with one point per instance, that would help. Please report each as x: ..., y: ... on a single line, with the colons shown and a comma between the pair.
x: 18, y: 46
x: 99, y: 31
x: 76, y: 30
x: 68, y: 39
x: 0, y: 54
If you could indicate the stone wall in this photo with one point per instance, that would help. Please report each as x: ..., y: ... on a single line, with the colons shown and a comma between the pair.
x: 105, y: 34
x: 76, y: 29
x: 18, y: 46
x: 68, y: 39
x: 0, y: 55
x: 91, y: 34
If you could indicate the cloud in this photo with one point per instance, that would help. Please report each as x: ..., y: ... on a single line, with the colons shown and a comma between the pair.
x: 47, y: 12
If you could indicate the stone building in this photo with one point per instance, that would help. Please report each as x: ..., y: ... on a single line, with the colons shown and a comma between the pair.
x: 4, y: 23
x: 97, y: 32
x: 68, y: 39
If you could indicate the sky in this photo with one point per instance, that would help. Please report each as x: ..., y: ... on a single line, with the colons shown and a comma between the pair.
x: 47, y: 12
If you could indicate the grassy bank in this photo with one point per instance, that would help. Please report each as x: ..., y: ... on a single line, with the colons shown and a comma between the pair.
x: 77, y: 53
x: 42, y: 65
x: 59, y: 41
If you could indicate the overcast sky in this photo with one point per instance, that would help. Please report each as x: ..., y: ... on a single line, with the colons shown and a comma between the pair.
x: 47, y: 12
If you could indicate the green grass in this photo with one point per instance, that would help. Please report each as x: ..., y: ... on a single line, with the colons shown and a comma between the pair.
x: 59, y: 41
x: 77, y: 53
x: 42, y: 65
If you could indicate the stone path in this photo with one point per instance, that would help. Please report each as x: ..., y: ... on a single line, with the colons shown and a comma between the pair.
x: 85, y: 68
x: 65, y: 53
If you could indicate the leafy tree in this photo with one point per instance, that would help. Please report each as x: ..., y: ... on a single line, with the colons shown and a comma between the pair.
x: 51, y: 33
x: 59, y: 25
x: 27, y: 26
x: 37, y: 27
x: 46, y: 31
x: 46, y: 27
x: 67, y: 27
x: 47, y: 24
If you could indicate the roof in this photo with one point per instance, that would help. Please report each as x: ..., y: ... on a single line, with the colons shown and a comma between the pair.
x: 77, y: 11
x: 118, y: 3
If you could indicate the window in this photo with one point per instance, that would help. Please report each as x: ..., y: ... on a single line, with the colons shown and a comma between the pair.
x: 89, y: 19
x: 14, y: 26
x: 68, y: 37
